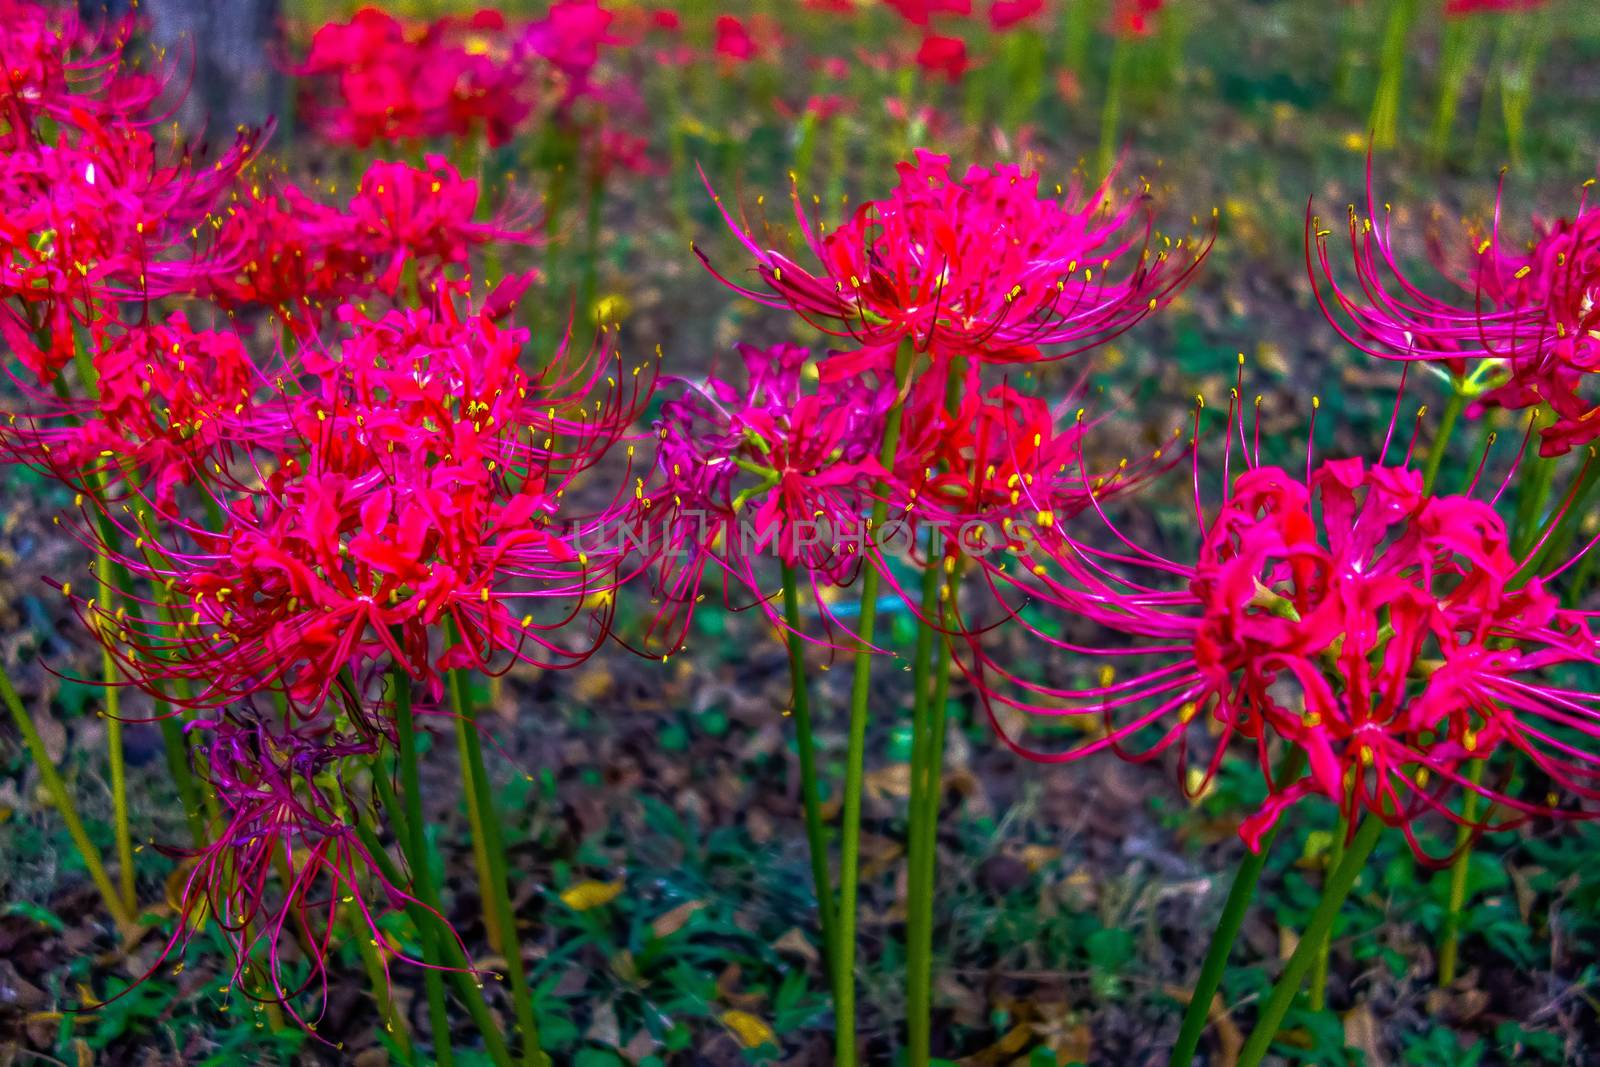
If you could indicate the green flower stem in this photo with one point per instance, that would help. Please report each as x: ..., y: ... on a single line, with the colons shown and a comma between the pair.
x: 1111, y: 113
x: 1334, y: 892
x: 919, y: 934
x: 495, y: 888
x: 811, y: 797
x: 394, y: 1022
x: 1450, y: 939
x: 119, y: 779
x: 855, y: 759
x: 475, y: 814
x: 1441, y: 440
x: 62, y: 799
x: 1385, y: 121
x: 416, y: 850
x: 928, y: 734
x: 1462, y: 37
x: 1319, y: 970
x: 1234, y: 908
x: 430, y: 929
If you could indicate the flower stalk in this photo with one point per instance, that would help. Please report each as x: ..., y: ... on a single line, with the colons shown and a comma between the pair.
x: 1240, y: 894
x: 1334, y: 893
x: 855, y: 759
x: 114, y: 900
x: 810, y: 794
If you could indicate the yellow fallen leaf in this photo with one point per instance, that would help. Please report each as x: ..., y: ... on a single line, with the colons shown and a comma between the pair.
x: 586, y: 895
x: 751, y: 1030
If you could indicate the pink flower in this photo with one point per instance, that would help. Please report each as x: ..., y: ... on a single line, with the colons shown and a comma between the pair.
x: 171, y: 401
x: 920, y: 12
x: 1135, y: 18
x: 979, y: 264
x: 734, y: 40
x: 943, y: 55
x: 454, y: 78
x: 740, y: 470
x: 1385, y: 634
x: 1526, y: 334
x: 1470, y: 7
x: 1004, y: 14
x: 418, y: 482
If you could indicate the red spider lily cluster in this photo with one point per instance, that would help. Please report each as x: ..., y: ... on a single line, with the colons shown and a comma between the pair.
x: 404, y: 223
x: 961, y: 273
x: 393, y: 487
x: 978, y: 265
x: 282, y: 519
x: 1388, y: 635
x: 1520, y: 333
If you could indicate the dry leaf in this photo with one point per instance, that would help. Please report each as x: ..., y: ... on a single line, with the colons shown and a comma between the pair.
x: 586, y: 895
x: 1361, y: 1031
x: 891, y: 781
x: 796, y: 942
x: 671, y: 922
x: 751, y: 1030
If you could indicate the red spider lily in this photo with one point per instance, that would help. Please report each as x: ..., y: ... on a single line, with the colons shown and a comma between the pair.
x: 169, y: 400
x: 734, y: 40
x: 1388, y: 635
x: 1004, y: 14
x: 406, y: 215
x: 570, y: 38
x: 943, y: 55
x: 457, y: 78
x: 1529, y: 336
x: 286, y: 867
x: 102, y: 214
x: 54, y: 64
x: 739, y: 471
x: 1135, y: 18
x: 921, y: 12
x: 980, y: 266
x: 415, y: 489
x: 303, y: 256
x: 1470, y: 7
x: 997, y: 463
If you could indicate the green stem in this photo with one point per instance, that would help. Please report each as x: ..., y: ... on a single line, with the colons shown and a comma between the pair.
x: 394, y: 1022
x: 496, y: 887
x: 1339, y: 884
x: 1319, y: 970
x: 928, y: 726
x: 69, y: 812
x: 1111, y: 115
x: 119, y: 778
x: 475, y: 815
x: 855, y: 759
x: 1240, y: 894
x: 816, y: 835
x: 1441, y: 440
x: 919, y: 934
x: 1450, y: 939
x: 1458, y: 50
x: 421, y: 871
x: 1391, y: 76
x: 460, y: 970
x: 177, y: 751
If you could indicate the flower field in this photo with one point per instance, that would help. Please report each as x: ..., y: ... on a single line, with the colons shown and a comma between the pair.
x: 908, y: 532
